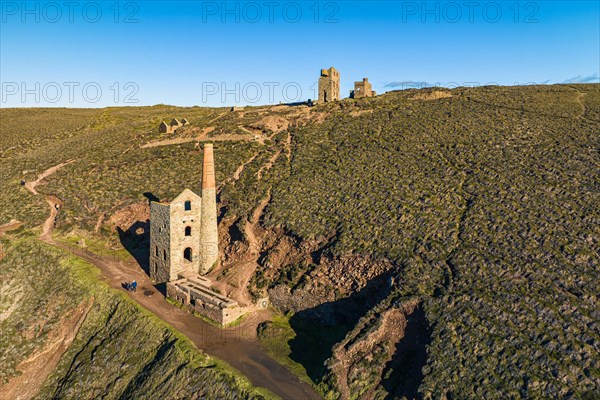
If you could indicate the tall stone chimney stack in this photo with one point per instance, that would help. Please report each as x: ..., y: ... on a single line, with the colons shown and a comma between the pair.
x: 209, y: 236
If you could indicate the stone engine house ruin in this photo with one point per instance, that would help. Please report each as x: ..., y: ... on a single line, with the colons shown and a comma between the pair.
x: 329, y: 85
x: 183, y: 233
x: 184, y: 247
x: 362, y: 89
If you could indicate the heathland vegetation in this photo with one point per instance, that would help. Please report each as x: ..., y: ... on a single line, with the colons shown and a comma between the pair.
x: 446, y: 241
x: 61, y: 322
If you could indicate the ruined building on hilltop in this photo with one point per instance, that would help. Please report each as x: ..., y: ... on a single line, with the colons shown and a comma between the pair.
x: 173, y: 126
x: 362, y: 89
x: 184, y: 246
x: 329, y: 85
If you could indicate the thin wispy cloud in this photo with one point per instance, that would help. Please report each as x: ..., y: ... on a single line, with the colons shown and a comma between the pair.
x: 594, y: 78
x: 406, y: 84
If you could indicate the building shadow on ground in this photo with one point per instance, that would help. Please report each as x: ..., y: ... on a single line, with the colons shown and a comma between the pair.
x: 404, y: 372
x: 136, y: 240
x: 151, y: 197
x: 318, y: 329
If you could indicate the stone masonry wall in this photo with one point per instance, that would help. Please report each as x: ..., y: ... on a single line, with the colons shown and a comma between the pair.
x: 210, y: 234
x: 329, y: 85
x: 363, y: 89
x: 180, y: 219
x: 222, y: 316
x: 160, y: 242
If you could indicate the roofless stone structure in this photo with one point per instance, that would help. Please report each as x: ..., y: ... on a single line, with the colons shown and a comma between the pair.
x: 184, y: 246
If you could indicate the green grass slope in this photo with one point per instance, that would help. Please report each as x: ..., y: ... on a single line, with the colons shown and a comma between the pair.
x: 120, y: 351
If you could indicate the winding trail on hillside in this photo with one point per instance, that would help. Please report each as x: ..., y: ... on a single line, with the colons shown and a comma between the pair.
x: 252, y: 223
x: 240, y: 273
x: 288, y: 147
x: 254, y: 245
x: 583, y: 109
x: 580, y: 95
x: 32, y: 185
x: 236, y: 174
x: 582, y: 114
x: 11, y: 226
x: 238, y: 346
x: 268, y: 165
x: 218, y: 117
x: 54, y: 202
x: 243, y: 128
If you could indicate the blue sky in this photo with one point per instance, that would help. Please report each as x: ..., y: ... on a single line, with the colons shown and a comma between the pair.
x: 215, y: 53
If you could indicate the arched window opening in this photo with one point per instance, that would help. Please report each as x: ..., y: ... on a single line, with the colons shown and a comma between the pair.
x: 165, y: 255
x: 187, y: 254
x: 188, y: 205
x: 156, y: 251
x: 188, y: 231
